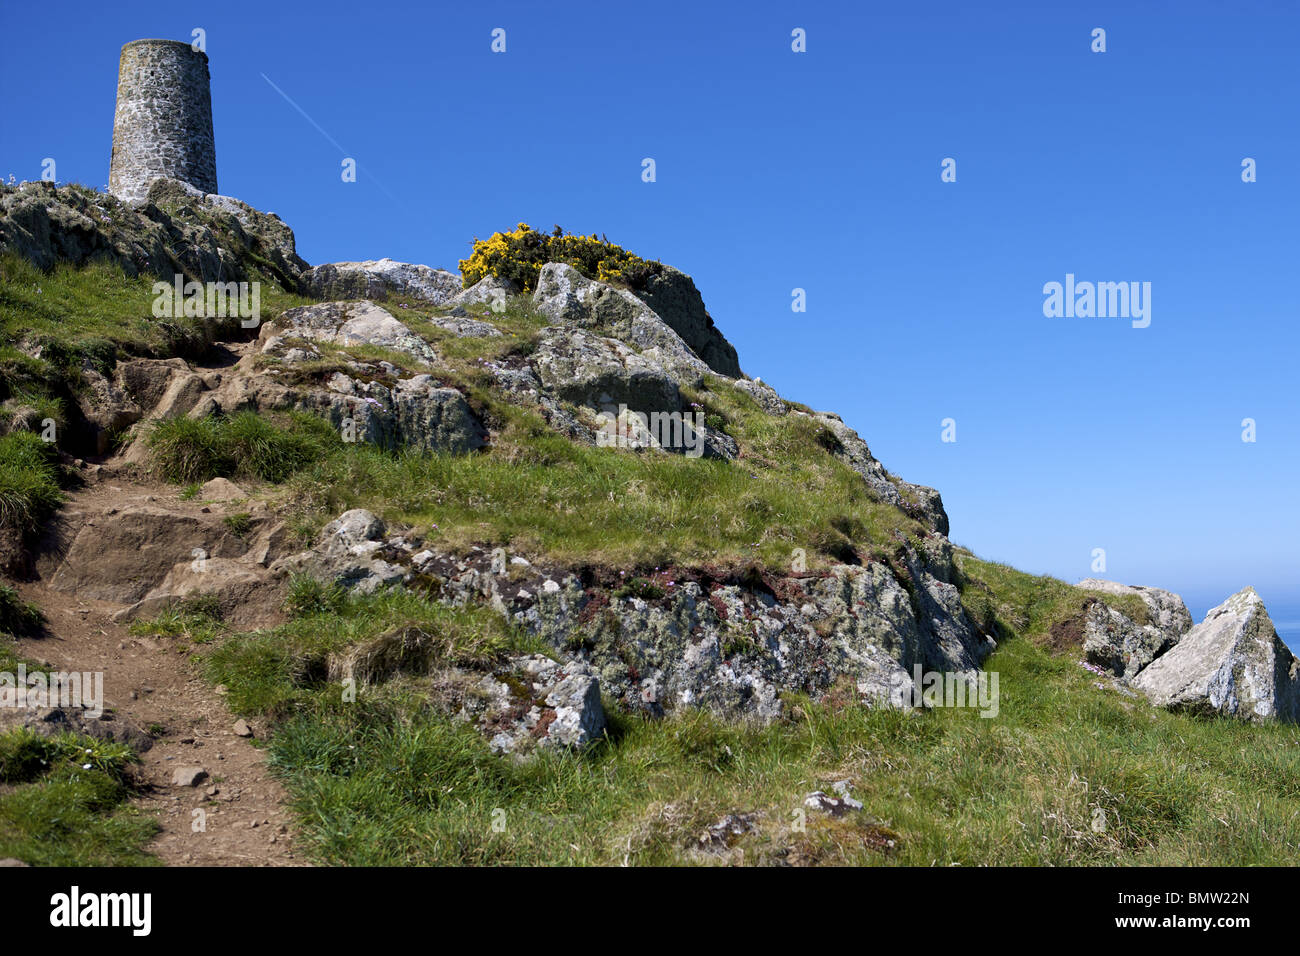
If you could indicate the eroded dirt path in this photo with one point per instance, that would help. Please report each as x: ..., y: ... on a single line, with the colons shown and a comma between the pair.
x: 153, y: 684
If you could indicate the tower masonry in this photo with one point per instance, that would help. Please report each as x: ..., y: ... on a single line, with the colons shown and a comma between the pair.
x: 163, y: 123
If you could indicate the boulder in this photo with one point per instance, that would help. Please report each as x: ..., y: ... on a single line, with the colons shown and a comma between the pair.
x: 571, y: 299
x: 1232, y: 663
x: 762, y: 393
x: 379, y: 279
x: 347, y: 323
x: 1168, y: 612
x: 490, y: 290
x: 535, y: 702
x: 595, y: 371
x: 672, y: 295
x: 350, y: 551
x: 244, y: 593
x: 123, y: 555
x: 1118, y: 644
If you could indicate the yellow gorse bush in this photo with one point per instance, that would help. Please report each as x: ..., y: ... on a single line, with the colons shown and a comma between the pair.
x: 518, y: 256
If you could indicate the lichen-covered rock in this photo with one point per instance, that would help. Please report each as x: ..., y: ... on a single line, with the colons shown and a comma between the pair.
x: 1114, y: 641
x: 672, y: 295
x: 347, y: 323
x: 732, y: 647
x: 380, y: 278
x: 765, y: 395
x: 350, y: 551
x: 1168, y: 613
x: 1117, y: 643
x: 571, y: 299
x: 1232, y: 663
x: 490, y: 291
x: 596, y: 371
x: 534, y: 702
x: 178, y: 230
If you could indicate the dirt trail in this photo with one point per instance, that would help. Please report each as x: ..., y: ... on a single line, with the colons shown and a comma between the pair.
x: 152, y: 683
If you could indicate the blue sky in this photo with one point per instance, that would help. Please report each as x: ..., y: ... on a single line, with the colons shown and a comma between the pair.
x: 821, y: 170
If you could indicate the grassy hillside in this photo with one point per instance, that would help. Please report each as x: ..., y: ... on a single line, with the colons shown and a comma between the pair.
x: 1072, y: 770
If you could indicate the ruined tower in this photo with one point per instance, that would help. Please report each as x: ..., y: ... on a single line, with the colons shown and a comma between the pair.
x: 163, y: 123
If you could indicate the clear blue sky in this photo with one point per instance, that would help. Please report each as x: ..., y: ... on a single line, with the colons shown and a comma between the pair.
x: 821, y: 170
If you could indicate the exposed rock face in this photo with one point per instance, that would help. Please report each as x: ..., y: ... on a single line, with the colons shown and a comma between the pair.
x: 734, y: 647
x: 526, y: 702
x: 596, y: 371
x: 178, y: 229
x: 673, y: 297
x: 764, y: 394
x: 1117, y: 643
x: 571, y: 299
x: 350, y: 551
x: 536, y: 702
x: 1168, y: 612
x: 124, y: 555
x: 347, y: 323
x: 1232, y: 663
x: 380, y: 278
x: 1114, y: 641
x: 490, y: 290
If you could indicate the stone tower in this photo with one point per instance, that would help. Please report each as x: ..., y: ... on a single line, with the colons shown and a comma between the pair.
x: 163, y: 124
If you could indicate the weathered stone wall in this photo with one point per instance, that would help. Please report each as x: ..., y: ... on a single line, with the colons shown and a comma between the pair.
x: 163, y: 124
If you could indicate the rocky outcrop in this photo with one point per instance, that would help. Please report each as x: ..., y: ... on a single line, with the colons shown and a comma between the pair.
x: 351, y: 551
x: 524, y: 703
x: 571, y: 299
x: 346, y: 324
x: 672, y: 295
x: 535, y: 702
x: 178, y: 229
x: 1232, y: 663
x: 1115, y: 642
x: 379, y: 279
x: 490, y: 291
x: 1168, y: 613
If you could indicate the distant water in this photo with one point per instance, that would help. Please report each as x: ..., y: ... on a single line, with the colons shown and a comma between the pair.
x: 1287, y: 622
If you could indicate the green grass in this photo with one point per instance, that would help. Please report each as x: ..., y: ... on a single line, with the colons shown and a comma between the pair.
x: 1067, y: 773
x: 29, y: 481
x: 62, y: 802
x: 16, y: 615
x: 188, y: 450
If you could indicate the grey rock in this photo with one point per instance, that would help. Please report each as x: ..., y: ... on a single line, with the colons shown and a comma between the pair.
x: 381, y: 278
x: 188, y: 776
x: 348, y: 552
x: 490, y: 291
x: 571, y: 299
x: 1168, y: 612
x: 1232, y: 663
x: 672, y: 295
x: 765, y: 395
x: 536, y: 702
x: 347, y: 323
